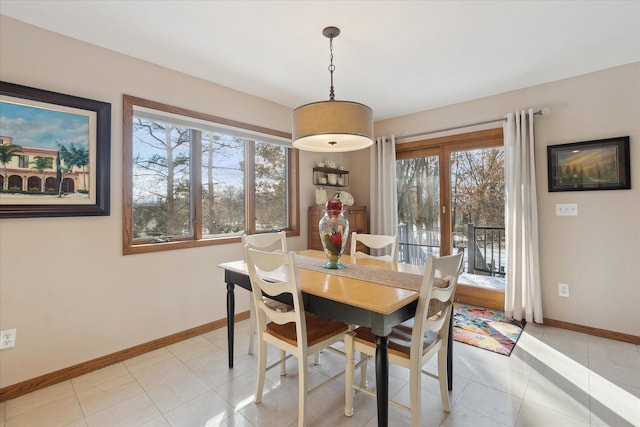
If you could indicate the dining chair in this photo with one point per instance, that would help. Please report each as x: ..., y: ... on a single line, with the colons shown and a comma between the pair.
x: 413, y: 343
x: 375, y: 242
x: 296, y: 332
x: 276, y: 242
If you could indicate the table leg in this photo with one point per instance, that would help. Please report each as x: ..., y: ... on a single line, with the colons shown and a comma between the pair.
x: 231, y: 309
x: 382, y: 379
x: 450, y: 353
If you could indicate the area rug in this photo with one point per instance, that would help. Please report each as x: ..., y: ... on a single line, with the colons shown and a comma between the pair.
x: 485, y: 328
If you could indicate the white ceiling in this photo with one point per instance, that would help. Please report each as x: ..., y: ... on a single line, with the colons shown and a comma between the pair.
x: 398, y: 57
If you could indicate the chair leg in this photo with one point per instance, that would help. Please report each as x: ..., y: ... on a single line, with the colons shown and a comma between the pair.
x: 262, y: 367
x: 363, y: 370
x: 316, y: 359
x: 349, y: 371
x: 283, y: 363
x: 415, y: 375
x: 302, y: 389
x: 252, y: 325
x: 442, y: 378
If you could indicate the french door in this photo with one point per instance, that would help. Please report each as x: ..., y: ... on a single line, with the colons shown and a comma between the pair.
x: 449, y: 188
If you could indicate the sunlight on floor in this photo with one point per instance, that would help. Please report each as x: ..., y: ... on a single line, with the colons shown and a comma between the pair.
x: 217, y: 420
x: 246, y: 401
x: 618, y: 400
x: 554, y: 377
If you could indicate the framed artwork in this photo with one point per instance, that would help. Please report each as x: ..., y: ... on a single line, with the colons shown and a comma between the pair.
x: 602, y: 164
x: 54, y: 154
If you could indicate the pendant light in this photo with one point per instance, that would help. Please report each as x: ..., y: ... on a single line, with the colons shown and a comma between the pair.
x: 332, y: 126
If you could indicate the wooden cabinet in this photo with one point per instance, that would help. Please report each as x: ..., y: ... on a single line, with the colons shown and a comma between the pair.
x: 358, y: 222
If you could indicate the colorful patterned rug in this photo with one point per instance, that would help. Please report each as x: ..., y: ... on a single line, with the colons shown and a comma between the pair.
x: 485, y: 328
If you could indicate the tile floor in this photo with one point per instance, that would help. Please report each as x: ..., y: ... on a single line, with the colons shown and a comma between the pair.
x: 553, y: 378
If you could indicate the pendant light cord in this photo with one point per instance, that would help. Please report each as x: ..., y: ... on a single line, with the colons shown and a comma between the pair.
x: 331, y: 68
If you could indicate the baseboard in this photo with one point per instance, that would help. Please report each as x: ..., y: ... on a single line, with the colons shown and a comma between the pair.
x: 618, y: 336
x: 491, y: 298
x: 28, y: 386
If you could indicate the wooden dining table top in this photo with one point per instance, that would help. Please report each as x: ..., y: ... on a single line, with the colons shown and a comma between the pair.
x: 375, y: 297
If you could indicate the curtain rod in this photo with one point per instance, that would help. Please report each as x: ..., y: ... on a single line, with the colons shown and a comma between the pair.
x: 540, y: 112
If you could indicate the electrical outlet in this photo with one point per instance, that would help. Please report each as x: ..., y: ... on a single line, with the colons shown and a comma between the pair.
x: 7, y: 338
x: 563, y: 290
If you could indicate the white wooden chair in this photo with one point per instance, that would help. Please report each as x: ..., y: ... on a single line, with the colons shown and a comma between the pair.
x: 413, y: 343
x: 276, y: 242
x: 295, y: 332
x: 376, y: 242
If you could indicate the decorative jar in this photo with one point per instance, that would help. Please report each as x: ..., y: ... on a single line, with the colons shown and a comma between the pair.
x: 321, y: 196
x: 334, y: 232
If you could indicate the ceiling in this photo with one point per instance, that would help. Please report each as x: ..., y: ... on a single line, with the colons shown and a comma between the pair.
x: 398, y: 57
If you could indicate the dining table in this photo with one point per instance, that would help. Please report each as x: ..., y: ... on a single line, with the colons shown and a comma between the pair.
x: 367, y: 292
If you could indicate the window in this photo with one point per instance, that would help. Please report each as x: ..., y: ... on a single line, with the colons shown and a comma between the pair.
x: 192, y: 179
x: 451, y: 197
x: 23, y: 161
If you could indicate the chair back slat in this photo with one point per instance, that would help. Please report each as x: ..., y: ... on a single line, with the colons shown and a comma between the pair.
x: 445, y: 267
x: 274, y: 274
x: 273, y: 242
x: 376, y: 242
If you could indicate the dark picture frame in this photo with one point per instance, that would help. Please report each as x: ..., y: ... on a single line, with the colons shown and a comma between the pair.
x: 602, y: 164
x: 64, y: 150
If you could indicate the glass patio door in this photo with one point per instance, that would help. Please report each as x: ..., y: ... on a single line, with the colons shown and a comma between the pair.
x: 418, y: 208
x: 477, y: 209
x: 451, y: 198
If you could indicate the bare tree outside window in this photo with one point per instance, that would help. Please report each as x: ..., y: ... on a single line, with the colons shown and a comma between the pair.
x: 223, y: 183
x: 419, y: 207
x: 271, y: 187
x: 194, y: 180
x: 451, y: 197
x: 477, y: 188
x: 161, y: 179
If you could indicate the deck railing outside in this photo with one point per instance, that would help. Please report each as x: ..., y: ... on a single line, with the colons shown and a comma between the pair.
x: 414, y: 246
x: 484, y: 248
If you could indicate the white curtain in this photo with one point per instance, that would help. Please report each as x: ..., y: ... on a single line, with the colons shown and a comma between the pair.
x: 523, y: 295
x: 384, y: 198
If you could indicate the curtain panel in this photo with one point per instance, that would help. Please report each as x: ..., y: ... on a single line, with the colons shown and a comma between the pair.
x: 383, y: 196
x: 523, y: 297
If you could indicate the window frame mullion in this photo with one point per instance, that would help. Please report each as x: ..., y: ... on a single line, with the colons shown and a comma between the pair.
x: 250, y: 185
x: 196, y: 184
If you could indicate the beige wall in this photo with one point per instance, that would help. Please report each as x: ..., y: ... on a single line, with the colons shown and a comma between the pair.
x: 64, y: 283
x: 73, y: 297
x: 598, y: 252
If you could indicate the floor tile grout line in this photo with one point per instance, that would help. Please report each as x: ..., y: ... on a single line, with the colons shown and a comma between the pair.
x: 75, y: 392
x: 36, y: 408
x: 177, y: 359
x: 145, y: 391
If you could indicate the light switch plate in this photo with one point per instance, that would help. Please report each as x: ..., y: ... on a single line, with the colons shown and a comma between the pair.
x: 566, y: 209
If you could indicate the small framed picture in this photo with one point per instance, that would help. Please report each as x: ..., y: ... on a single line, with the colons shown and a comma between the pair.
x: 54, y: 154
x: 602, y: 164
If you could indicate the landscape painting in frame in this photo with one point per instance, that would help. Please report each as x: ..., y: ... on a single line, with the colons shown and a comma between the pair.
x: 54, y: 154
x: 602, y: 164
